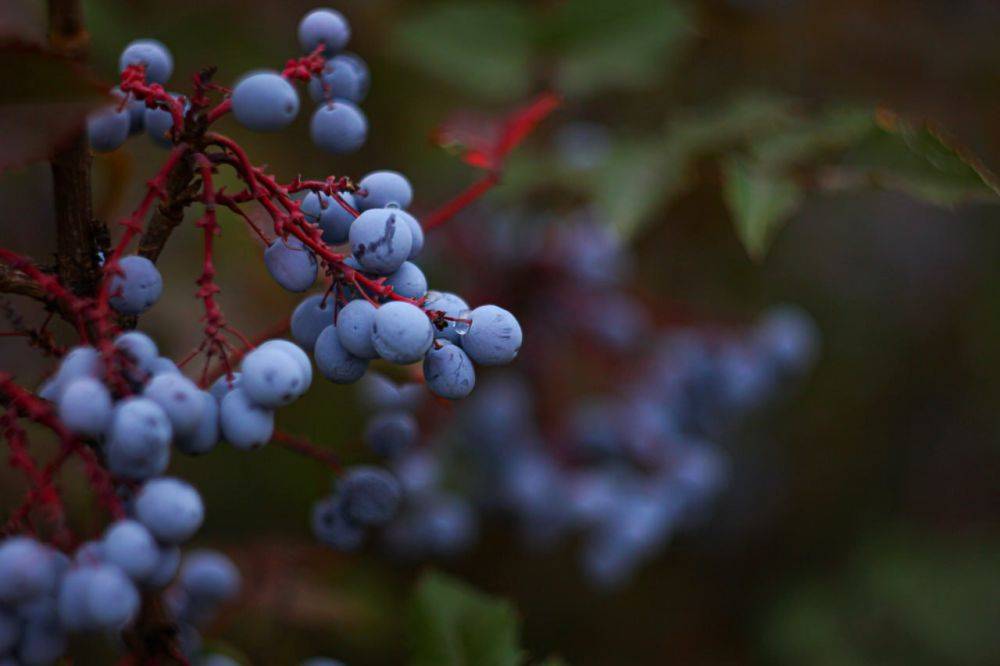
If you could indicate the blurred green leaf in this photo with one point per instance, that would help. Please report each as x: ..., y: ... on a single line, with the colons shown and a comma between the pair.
x: 921, y: 162
x: 603, y: 45
x: 813, y: 138
x: 452, y: 624
x: 760, y: 201
x: 484, y: 48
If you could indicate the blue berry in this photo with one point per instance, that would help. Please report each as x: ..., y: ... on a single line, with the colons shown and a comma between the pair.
x: 205, y: 436
x: 43, y: 640
x: 296, y: 354
x: 408, y: 280
x: 334, y: 362
x: 179, y: 398
x: 416, y: 231
x: 85, y: 407
x: 245, y: 424
x: 292, y: 265
x: 371, y: 495
x: 379, y: 189
x: 112, y: 599
x: 209, y: 577
x: 401, y: 332
x: 379, y: 393
x: 354, y: 328
x: 451, y: 305
x: 494, y: 337
x: 309, y: 319
x: 129, y: 545
x: 272, y: 378
x: 391, y: 433
x: 223, y: 385
x: 338, y: 127
x: 163, y: 365
x: 344, y: 76
x: 332, y: 527
x: 108, y: 128
x: 448, y: 371
x: 167, y: 564
x: 159, y: 122
x: 138, y: 287
x: 138, y: 443
x: 140, y: 350
x: 324, y: 26
x: 170, y: 508
x: 332, y: 218
x: 380, y: 240
x: 27, y: 570
x: 151, y: 53
x: 265, y: 102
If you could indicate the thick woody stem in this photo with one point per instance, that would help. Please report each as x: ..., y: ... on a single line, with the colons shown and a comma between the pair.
x: 79, y: 237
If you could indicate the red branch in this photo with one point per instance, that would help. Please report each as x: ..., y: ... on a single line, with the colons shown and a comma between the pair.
x: 304, y: 447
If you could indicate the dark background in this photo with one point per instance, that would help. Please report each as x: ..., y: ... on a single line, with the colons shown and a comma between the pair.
x: 861, y: 524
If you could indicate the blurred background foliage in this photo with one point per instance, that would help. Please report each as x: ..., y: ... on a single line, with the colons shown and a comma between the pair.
x: 753, y: 151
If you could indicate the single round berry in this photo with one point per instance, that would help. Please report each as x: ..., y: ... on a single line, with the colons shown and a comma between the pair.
x: 331, y: 526
x: 384, y: 188
x: 354, y: 328
x: 344, y: 76
x: 108, y: 128
x: 371, y: 495
x: 391, y: 433
x: 179, y: 398
x: 166, y: 567
x: 131, y: 547
x: 170, y: 508
x: 309, y: 319
x: 416, y: 231
x: 245, y: 424
x: 265, y: 102
x: 334, y: 362
x: 85, y: 407
x: 137, y: 288
x: 140, y: 351
x: 452, y: 306
x: 292, y: 265
x: 380, y: 240
x: 209, y: 577
x: 138, y: 442
x: 494, y: 337
x: 271, y: 377
x: 408, y: 280
x: 151, y: 53
x: 401, y: 332
x: 338, y: 127
x: 112, y: 600
x: 206, y: 435
x: 324, y: 26
x: 332, y: 218
x: 224, y: 384
x: 27, y: 570
x: 448, y: 371
x: 295, y: 352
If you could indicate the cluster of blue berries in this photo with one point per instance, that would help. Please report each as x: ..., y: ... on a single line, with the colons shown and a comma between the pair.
x: 264, y: 101
x: 47, y: 595
x: 620, y: 471
x: 347, y: 328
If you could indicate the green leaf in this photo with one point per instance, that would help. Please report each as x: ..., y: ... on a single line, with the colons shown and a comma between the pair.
x: 810, y: 139
x: 453, y: 625
x: 760, y: 202
x: 483, y: 48
x: 614, y: 45
x: 920, y: 161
